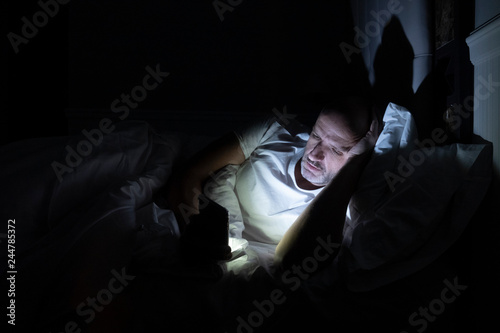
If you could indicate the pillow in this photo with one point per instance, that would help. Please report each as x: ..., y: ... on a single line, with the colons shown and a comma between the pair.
x: 408, y: 208
x: 395, y: 141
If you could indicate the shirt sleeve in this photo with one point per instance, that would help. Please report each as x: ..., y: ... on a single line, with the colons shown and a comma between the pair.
x: 220, y: 188
x: 252, y: 136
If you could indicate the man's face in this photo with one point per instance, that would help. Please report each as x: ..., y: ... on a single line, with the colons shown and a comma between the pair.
x: 327, y: 148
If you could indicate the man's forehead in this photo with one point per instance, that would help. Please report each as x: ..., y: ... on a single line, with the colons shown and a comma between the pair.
x: 330, y: 127
x: 334, y: 130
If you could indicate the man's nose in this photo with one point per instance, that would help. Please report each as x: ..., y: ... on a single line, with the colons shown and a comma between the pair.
x: 317, y: 153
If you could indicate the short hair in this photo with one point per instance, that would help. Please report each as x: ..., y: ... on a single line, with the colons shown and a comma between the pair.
x: 355, y: 109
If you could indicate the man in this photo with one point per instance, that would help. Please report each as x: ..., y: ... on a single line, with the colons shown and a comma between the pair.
x: 291, y: 188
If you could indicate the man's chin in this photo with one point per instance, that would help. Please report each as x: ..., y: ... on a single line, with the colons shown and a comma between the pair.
x: 317, y: 183
x: 312, y: 178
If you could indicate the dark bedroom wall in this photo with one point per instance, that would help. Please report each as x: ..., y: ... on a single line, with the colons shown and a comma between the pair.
x: 263, y: 54
x: 253, y: 56
x: 36, y: 75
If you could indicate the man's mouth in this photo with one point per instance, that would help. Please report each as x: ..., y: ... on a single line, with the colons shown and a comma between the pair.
x: 313, y: 166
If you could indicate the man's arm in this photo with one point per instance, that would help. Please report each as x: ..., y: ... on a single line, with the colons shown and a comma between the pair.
x: 325, y: 216
x: 185, y: 188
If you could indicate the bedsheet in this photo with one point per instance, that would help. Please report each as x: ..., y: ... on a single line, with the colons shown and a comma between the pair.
x: 80, y: 206
x: 91, y: 236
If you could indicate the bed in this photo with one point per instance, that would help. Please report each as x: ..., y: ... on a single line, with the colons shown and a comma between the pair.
x: 96, y: 247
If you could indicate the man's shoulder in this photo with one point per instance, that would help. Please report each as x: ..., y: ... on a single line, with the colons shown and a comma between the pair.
x: 292, y: 126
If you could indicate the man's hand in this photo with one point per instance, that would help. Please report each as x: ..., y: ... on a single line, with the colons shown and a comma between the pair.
x: 182, y: 197
x: 367, y: 143
x: 185, y: 188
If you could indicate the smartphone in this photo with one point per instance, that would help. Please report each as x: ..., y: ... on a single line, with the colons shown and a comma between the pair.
x: 206, y: 236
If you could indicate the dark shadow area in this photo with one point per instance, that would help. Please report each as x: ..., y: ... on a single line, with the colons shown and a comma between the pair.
x: 393, y: 66
x: 36, y: 72
x: 259, y: 56
x: 249, y: 57
x: 429, y: 103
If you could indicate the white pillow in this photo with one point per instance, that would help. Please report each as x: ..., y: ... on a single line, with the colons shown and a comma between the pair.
x: 400, y: 219
x: 397, y: 139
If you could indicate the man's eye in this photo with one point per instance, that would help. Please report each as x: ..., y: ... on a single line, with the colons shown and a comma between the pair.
x: 314, y: 135
x: 336, y: 151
